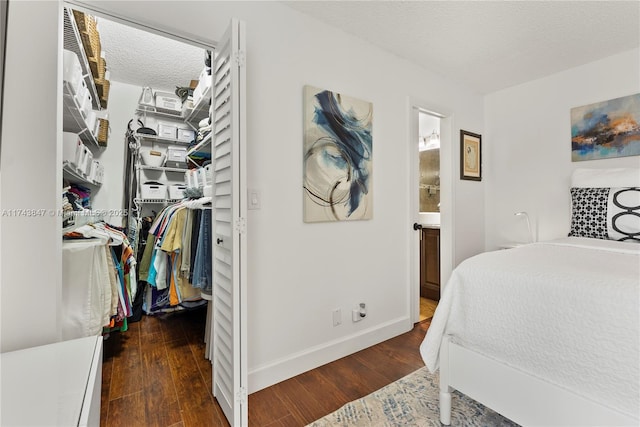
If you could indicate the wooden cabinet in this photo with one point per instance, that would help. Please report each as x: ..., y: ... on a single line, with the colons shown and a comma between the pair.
x: 430, y: 263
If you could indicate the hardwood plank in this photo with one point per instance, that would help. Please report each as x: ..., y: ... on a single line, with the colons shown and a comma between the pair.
x: 339, y: 382
x: 288, y: 421
x: 126, y: 377
x: 126, y: 411
x: 266, y: 407
x: 197, y: 406
x: 354, y: 378
x: 161, y: 400
x: 172, y: 329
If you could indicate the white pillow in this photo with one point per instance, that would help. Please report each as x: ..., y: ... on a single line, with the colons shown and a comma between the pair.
x: 617, y: 177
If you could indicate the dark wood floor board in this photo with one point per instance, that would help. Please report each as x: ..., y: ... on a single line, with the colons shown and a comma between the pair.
x: 172, y: 327
x: 303, y: 404
x: 126, y: 376
x: 266, y: 408
x: 354, y: 378
x: 161, y: 400
x: 288, y: 421
x: 378, y: 359
x: 196, y: 403
x: 184, y: 388
x: 318, y: 385
x: 127, y: 411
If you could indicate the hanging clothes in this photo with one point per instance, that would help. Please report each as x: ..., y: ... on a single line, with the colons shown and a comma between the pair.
x: 170, y: 255
x: 119, y: 272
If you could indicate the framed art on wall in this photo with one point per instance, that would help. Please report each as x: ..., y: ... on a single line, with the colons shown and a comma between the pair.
x: 337, y: 159
x: 470, y: 156
x: 606, y: 129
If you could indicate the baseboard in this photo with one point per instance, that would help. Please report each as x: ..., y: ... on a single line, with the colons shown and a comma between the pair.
x: 297, y: 363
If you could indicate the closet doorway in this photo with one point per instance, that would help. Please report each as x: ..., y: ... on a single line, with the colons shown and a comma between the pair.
x: 431, y: 207
x: 135, y: 126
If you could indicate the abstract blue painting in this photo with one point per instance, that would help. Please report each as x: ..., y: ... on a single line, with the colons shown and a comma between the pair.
x: 606, y: 129
x: 337, y: 157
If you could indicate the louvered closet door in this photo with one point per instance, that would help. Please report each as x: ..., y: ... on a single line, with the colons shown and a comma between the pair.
x: 229, y: 255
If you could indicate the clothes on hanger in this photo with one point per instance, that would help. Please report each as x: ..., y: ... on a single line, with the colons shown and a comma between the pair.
x: 121, y: 272
x: 176, y: 266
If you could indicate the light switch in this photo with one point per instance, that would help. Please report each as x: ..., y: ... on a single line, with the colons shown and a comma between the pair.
x: 254, y: 199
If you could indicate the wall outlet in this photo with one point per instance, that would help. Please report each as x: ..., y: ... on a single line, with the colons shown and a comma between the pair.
x: 337, y: 317
x: 357, y: 314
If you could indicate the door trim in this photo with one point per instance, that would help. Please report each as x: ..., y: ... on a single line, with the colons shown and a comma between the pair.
x: 447, y: 197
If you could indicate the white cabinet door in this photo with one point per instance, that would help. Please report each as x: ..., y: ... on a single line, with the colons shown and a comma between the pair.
x: 228, y: 157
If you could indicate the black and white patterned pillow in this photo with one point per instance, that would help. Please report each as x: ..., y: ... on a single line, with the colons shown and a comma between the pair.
x: 606, y: 213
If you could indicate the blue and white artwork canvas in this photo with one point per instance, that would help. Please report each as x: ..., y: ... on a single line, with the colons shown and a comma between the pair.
x: 606, y: 129
x: 337, y: 157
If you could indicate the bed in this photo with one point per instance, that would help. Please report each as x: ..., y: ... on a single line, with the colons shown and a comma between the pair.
x: 548, y: 333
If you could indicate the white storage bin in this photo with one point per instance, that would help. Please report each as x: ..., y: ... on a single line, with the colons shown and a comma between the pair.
x: 85, y: 107
x: 91, y: 122
x: 153, y: 190
x: 71, y: 70
x: 97, y: 172
x: 177, y: 156
x: 86, y: 171
x: 186, y: 135
x: 71, y: 148
x: 203, y: 179
x: 191, y: 178
x: 152, y: 158
x: 204, y: 83
x: 84, y: 160
x: 167, y: 131
x: 94, y: 175
x: 176, y: 191
x: 168, y: 102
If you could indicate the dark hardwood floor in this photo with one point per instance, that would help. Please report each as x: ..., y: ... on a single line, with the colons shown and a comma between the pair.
x: 155, y: 374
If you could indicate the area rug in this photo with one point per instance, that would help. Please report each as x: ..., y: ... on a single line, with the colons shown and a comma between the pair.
x: 411, y: 401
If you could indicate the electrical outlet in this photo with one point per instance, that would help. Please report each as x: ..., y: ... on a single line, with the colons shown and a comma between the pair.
x: 337, y: 317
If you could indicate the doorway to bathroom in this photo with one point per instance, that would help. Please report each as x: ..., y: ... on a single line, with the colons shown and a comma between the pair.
x: 429, y: 212
x: 431, y: 189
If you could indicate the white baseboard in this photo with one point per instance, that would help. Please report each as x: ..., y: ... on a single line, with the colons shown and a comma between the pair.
x: 297, y: 363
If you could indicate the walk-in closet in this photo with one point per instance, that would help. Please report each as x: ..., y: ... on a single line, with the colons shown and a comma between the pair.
x: 152, y: 230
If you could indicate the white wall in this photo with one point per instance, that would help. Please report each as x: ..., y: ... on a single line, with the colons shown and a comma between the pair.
x: 31, y: 246
x: 123, y: 100
x: 299, y: 273
x: 528, y: 145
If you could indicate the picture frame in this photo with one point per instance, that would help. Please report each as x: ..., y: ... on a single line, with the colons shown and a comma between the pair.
x: 470, y: 156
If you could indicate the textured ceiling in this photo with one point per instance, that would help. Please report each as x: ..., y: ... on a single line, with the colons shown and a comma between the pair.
x: 145, y: 59
x: 488, y: 45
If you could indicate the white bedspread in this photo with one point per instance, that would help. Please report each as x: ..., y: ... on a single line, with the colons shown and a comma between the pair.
x: 566, y: 311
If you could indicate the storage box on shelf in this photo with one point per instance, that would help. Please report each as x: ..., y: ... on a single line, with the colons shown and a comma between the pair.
x: 153, y: 190
x: 168, y: 103
x: 176, y: 191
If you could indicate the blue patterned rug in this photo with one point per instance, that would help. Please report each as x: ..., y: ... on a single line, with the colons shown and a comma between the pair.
x: 411, y: 401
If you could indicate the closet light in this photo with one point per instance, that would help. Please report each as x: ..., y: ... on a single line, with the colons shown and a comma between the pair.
x: 430, y: 142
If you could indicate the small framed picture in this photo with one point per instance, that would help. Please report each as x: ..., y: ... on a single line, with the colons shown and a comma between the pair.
x: 470, y: 156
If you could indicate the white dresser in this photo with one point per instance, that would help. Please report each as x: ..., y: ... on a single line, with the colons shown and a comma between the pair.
x: 52, y: 385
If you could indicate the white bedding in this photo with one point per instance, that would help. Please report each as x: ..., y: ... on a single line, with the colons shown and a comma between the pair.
x: 566, y: 311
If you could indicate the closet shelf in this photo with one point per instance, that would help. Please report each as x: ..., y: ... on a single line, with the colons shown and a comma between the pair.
x: 151, y: 111
x: 155, y: 201
x: 162, y: 168
x: 199, y: 111
x: 74, y: 121
x: 202, y: 146
x: 160, y: 139
x: 70, y: 172
x: 73, y: 42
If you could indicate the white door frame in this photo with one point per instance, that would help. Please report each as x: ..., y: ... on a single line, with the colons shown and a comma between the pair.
x: 447, y: 168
